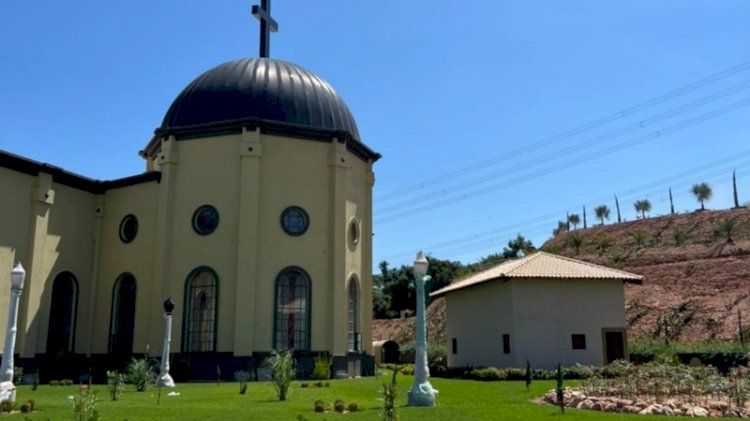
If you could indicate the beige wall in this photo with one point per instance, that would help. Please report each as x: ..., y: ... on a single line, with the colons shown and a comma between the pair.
x: 478, y: 318
x: 544, y: 313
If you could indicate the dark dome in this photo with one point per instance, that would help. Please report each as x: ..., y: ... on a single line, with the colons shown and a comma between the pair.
x: 260, y: 91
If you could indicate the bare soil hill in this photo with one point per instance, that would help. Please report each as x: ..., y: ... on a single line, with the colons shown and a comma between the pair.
x: 696, y: 283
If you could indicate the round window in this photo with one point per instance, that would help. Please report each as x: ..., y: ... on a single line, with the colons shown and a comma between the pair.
x: 128, y: 228
x: 294, y: 220
x: 205, y: 219
x: 353, y: 233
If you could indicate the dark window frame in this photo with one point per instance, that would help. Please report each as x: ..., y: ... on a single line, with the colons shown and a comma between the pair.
x: 112, y: 343
x: 300, y: 338
x: 188, y: 330
x: 128, y: 230
x: 204, y: 211
x: 294, y: 230
x: 578, y: 341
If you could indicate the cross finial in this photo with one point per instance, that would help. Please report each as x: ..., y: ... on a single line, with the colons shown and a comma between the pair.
x: 267, y: 25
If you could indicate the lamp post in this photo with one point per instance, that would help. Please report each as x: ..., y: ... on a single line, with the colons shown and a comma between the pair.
x: 7, y: 388
x: 165, y: 380
x: 421, y: 392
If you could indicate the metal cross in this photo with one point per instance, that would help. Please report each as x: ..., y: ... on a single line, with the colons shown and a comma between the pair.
x: 267, y: 25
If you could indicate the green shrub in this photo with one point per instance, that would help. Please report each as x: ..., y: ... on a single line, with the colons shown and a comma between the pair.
x: 281, y: 365
x: 32, y: 404
x: 54, y: 383
x: 141, y: 373
x: 388, y: 395
x: 353, y: 407
x: 304, y: 385
x: 25, y: 407
x: 326, y: 384
x: 338, y: 405
x: 242, y: 377
x: 115, y: 382
x: 35, y: 385
x: 66, y: 382
x: 7, y: 406
x: 320, y: 406
x: 487, y: 374
x: 407, y: 369
x: 84, y: 406
x: 17, y: 375
x: 322, y: 368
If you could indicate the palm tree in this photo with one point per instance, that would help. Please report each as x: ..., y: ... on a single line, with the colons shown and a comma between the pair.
x: 642, y: 206
x: 726, y: 227
x: 576, y: 241
x: 602, y: 212
x: 574, y: 219
x: 702, y: 192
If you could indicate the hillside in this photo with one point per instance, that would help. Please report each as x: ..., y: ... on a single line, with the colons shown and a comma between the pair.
x: 695, y: 282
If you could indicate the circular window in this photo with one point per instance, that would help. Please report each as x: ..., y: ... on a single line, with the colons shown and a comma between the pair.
x: 353, y: 233
x: 294, y: 220
x: 128, y: 228
x: 205, y: 219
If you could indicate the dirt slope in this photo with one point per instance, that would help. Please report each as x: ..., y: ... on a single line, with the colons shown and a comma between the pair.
x: 696, y: 286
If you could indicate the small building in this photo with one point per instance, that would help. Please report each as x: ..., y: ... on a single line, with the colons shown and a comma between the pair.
x: 543, y: 308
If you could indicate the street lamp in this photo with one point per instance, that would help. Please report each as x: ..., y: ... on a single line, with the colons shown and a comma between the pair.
x: 421, y: 392
x: 164, y: 378
x: 7, y: 388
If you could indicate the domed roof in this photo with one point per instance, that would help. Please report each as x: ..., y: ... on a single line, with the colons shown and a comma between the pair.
x: 260, y: 90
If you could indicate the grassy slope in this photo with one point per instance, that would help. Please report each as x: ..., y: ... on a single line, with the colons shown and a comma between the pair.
x: 458, y: 400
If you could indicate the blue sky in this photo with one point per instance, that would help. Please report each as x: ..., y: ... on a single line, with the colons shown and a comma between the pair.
x: 551, y: 105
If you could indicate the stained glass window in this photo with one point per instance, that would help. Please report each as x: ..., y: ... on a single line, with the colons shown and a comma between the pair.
x: 62, y: 317
x: 294, y: 220
x: 122, y: 322
x: 292, y: 330
x: 352, y: 309
x: 205, y: 219
x: 199, y: 324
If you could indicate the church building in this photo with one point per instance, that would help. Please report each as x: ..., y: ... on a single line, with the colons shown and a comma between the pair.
x: 254, y: 214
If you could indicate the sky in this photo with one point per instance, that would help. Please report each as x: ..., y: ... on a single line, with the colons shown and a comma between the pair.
x: 494, y: 118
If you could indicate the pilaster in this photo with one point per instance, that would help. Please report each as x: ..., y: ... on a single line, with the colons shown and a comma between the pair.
x: 31, y: 330
x: 92, y: 309
x: 366, y: 241
x: 245, y: 334
x: 337, y: 282
x: 163, y: 283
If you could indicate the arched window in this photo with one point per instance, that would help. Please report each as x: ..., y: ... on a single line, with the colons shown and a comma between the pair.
x: 352, y: 311
x: 122, y: 321
x: 201, y: 305
x: 292, y: 313
x: 62, y: 314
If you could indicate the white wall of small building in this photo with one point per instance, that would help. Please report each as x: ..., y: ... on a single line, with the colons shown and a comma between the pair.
x: 540, y: 315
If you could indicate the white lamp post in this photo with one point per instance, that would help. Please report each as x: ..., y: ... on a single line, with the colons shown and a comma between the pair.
x: 421, y: 392
x: 165, y: 379
x: 7, y: 388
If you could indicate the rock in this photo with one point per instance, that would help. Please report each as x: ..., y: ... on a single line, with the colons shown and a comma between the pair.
x: 700, y: 411
x: 586, y: 404
x: 608, y: 407
x: 631, y: 409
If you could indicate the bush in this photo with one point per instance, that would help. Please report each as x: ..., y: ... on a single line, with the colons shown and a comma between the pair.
x: 115, y: 382
x: 487, y: 374
x: 242, y: 377
x: 388, y: 393
x: 66, y: 382
x: 282, y: 372
x: 338, y: 406
x: 304, y: 385
x: 322, y: 368
x: 141, y: 373
x: 7, y: 406
x: 407, y: 369
x: 353, y: 407
x: 320, y: 406
x: 31, y: 403
x: 84, y: 406
x: 17, y: 375
x: 54, y: 383
x: 25, y: 407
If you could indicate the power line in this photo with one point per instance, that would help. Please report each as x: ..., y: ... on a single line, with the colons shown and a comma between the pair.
x: 572, y: 132
x: 572, y: 162
x: 573, y: 148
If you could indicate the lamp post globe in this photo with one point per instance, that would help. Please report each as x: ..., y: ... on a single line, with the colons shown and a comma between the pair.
x: 7, y: 388
x: 421, y: 392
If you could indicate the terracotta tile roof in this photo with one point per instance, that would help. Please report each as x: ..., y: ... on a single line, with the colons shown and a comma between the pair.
x: 540, y: 265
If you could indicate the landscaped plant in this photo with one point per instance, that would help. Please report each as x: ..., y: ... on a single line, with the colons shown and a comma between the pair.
x: 388, y: 395
x: 702, y: 193
x: 679, y: 236
x: 528, y: 375
x: 141, y: 373
x: 242, y: 377
x: 576, y: 241
x: 560, y: 390
x: 7, y: 406
x: 281, y: 365
x: 602, y: 243
x: 642, y: 206
x: 322, y: 367
x: 320, y: 406
x: 26, y: 407
x: 353, y: 407
x: 115, y: 383
x: 17, y: 375
x: 574, y: 219
x: 639, y: 237
x: 338, y: 405
x: 726, y: 227
x: 602, y: 213
x: 84, y: 406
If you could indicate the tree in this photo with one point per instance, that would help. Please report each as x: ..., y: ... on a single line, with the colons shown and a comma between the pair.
x: 642, y: 206
x: 518, y: 246
x: 576, y: 241
x: 702, y: 192
x: 561, y: 227
x: 671, y: 202
x: 574, y: 219
x: 734, y: 187
x: 602, y: 213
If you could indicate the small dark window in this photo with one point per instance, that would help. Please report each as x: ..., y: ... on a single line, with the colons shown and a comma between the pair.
x: 579, y: 341
x: 205, y: 219
x: 455, y: 346
x: 353, y: 234
x: 506, y: 344
x: 128, y: 228
x: 294, y: 220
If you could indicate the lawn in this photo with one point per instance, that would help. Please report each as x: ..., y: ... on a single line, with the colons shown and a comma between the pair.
x: 458, y: 400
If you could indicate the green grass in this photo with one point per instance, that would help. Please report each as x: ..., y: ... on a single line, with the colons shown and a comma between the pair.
x: 458, y: 400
